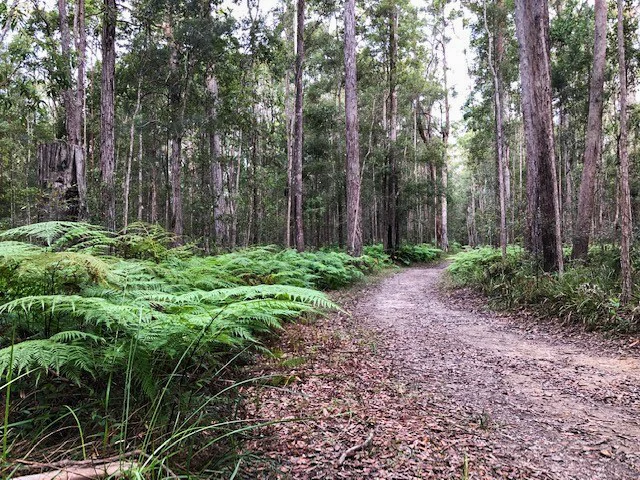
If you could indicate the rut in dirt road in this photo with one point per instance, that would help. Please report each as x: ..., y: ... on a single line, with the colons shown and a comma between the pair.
x: 559, y: 406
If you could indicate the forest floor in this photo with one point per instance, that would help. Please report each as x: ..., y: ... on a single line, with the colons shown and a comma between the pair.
x: 445, y: 389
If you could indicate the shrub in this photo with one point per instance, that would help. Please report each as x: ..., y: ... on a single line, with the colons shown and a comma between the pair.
x: 377, y: 254
x: 588, y: 294
x: 406, y: 254
x: 421, y: 253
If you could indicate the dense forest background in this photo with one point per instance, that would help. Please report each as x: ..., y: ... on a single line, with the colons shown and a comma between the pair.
x: 143, y: 142
x: 202, y: 135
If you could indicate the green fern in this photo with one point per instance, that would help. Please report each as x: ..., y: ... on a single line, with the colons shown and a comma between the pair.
x: 282, y: 292
x: 51, y: 356
x: 12, y: 250
x: 96, y: 308
x: 48, y: 232
x: 88, y: 240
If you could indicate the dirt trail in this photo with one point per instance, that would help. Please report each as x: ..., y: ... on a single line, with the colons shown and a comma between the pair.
x: 562, y: 407
x: 447, y: 390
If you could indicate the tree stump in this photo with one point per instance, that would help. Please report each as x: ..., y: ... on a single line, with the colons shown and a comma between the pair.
x: 57, y: 176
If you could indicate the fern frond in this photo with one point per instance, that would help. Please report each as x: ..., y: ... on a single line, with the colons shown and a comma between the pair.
x: 13, y: 250
x: 95, y: 311
x: 48, y: 232
x: 64, y: 359
x: 69, y: 336
x: 88, y: 240
x: 281, y: 292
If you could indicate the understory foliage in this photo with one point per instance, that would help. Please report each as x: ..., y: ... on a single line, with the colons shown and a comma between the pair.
x: 406, y: 254
x: 586, y: 293
x: 113, y: 334
x: 421, y: 253
x: 111, y: 324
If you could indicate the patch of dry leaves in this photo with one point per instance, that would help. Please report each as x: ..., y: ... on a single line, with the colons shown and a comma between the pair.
x: 346, y: 388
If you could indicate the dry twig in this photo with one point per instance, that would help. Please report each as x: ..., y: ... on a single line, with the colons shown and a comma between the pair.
x: 351, y: 451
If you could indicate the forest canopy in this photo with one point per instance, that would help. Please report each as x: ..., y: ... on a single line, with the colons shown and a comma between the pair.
x: 226, y: 123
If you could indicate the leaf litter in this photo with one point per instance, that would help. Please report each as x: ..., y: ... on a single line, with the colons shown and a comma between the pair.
x: 418, y: 383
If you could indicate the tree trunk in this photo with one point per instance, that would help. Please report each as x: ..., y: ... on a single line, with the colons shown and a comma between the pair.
x: 57, y: 179
x: 107, y: 114
x: 473, y: 230
x: 289, y: 125
x: 542, y: 233
x: 64, y: 186
x: 592, y: 149
x: 175, y: 135
x: 495, y: 68
x: 217, y: 175
x: 86, y: 471
x: 233, y: 186
x: 444, y: 234
x: 77, y: 137
x: 140, y: 203
x: 65, y: 49
x: 289, y: 105
x: 567, y: 165
x: 154, y: 216
x: 354, y: 212
x: 298, y: 130
x: 175, y: 164
x: 625, y: 194
x: 391, y: 172
x: 127, y: 176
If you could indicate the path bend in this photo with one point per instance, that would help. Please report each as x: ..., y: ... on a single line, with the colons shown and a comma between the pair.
x: 561, y: 407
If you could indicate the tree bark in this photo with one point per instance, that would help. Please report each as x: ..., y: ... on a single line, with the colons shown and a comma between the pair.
x: 592, y: 151
x: 444, y: 233
x: 175, y: 135
x: 542, y: 233
x: 107, y: 114
x: 499, y: 119
x: 298, y: 129
x: 354, y: 212
x: 625, y: 194
x: 217, y: 174
x: 57, y: 179
x: 391, y: 173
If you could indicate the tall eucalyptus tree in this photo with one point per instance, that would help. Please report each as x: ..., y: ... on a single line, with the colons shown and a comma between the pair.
x: 354, y: 210
x: 543, y: 230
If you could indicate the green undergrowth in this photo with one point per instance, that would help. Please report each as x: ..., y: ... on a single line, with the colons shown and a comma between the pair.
x: 586, y: 293
x: 406, y: 254
x: 118, y: 342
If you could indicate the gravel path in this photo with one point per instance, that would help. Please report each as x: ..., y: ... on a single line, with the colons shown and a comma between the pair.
x: 564, y: 407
